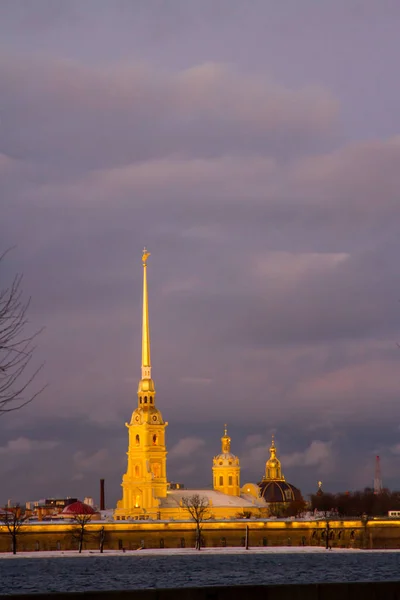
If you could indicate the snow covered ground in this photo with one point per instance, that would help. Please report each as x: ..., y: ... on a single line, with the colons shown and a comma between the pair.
x: 189, y: 551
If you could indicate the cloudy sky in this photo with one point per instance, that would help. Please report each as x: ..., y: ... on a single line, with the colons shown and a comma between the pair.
x: 254, y: 147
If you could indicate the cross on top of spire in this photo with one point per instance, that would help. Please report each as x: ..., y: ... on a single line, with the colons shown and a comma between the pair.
x: 145, y: 255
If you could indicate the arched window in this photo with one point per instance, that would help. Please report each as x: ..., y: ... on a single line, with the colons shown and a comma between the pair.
x: 221, y: 480
x: 145, y: 399
x: 155, y: 467
x: 230, y: 481
x: 140, y: 399
x: 137, y: 439
x: 151, y: 400
x: 155, y: 439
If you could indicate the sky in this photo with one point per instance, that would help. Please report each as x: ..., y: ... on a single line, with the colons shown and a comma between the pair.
x: 254, y: 148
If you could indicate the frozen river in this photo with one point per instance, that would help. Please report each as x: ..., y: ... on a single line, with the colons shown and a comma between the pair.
x: 41, y: 572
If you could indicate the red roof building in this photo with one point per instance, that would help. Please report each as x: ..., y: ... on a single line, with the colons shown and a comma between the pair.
x: 78, y: 508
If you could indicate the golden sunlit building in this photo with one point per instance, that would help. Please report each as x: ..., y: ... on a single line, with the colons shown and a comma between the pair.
x: 146, y: 493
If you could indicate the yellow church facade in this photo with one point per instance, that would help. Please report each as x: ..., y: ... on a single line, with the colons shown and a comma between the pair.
x: 146, y: 493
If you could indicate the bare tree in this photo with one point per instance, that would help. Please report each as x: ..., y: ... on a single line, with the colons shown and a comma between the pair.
x: 16, y: 348
x: 13, y: 519
x: 197, y: 507
x: 79, y: 530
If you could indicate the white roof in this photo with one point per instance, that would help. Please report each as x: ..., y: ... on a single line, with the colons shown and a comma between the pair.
x: 214, y: 498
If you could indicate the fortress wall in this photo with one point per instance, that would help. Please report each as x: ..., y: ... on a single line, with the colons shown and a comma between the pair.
x: 149, y: 534
x: 153, y: 534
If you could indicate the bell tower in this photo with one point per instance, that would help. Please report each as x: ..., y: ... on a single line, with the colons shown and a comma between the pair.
x: 145, y: 480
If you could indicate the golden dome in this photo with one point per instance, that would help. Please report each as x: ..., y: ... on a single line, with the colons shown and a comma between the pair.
x: 226, y: 458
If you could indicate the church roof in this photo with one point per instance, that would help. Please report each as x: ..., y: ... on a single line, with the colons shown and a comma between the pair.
x: 78, y: 508
x: 279, y: 491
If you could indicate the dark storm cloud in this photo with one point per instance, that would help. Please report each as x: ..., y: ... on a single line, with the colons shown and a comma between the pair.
x: 273, y: 229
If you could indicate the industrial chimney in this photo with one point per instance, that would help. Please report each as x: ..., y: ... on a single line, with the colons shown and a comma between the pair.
x: 102, y: 501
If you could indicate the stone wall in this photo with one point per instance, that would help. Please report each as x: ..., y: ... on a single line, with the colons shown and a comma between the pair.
x: 155, y: 534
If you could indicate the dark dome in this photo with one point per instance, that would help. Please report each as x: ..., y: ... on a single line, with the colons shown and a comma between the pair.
x: 78, y: 508
x: 279, y: 491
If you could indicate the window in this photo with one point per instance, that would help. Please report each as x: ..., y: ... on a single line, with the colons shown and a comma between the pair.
x: 137, y: 502
x: 151, y: 400
x: 155, y: 439
x: 140, y: 400
x: 288, y: 494
x: 230, y: 482
x: 145, y: 399
x: 137, y: 440
x: 137, y: 470
x: 221, y: 480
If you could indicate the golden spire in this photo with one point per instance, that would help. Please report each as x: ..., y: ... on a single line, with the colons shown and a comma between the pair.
x: 273, y: 466
x: 146, y: 364
x: 225, y: 441
x: 146, y: 384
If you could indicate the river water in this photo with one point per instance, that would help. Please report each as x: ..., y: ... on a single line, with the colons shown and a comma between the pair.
x: 33, y: 575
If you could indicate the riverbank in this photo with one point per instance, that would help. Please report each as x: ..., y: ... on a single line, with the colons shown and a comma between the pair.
x: 154, y: 552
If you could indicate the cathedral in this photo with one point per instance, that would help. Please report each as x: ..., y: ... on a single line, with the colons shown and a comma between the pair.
x: 146, y: 493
